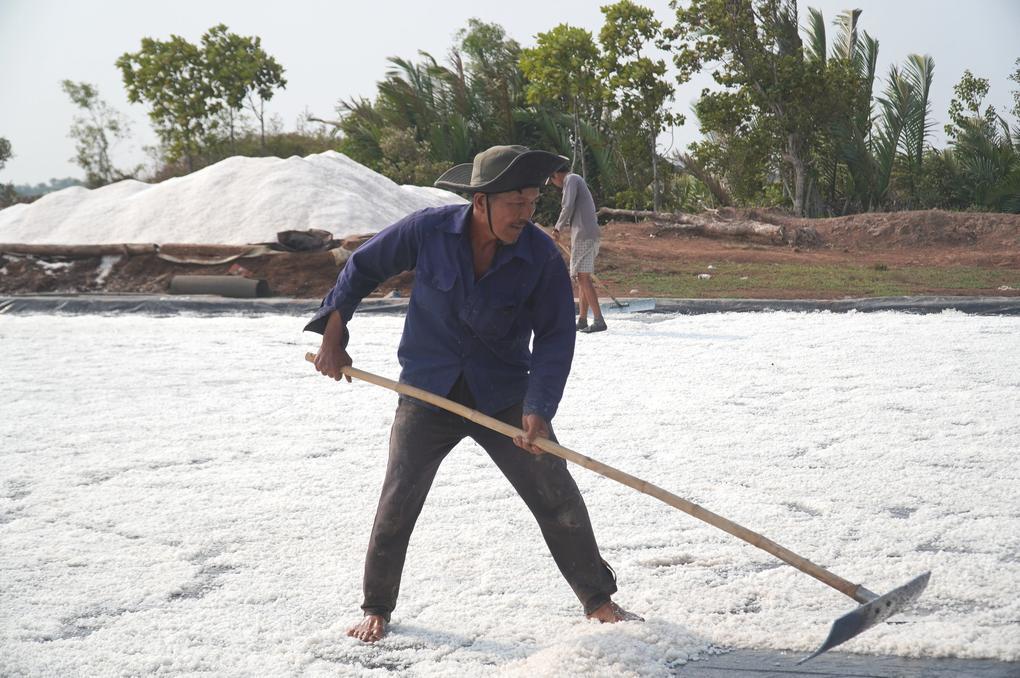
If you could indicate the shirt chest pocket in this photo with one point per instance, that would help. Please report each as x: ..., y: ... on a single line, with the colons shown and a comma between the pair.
x: 498, y: 316
x: 433, y: 290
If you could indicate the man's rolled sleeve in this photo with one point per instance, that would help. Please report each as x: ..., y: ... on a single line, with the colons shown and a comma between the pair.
x: 329, y: 304
x: 388, y: 253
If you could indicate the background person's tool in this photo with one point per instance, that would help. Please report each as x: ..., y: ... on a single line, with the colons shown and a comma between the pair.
x: 617, y: 305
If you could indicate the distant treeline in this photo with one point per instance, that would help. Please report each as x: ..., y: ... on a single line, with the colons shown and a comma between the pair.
x: 25, y: 190
x: 800, y: 118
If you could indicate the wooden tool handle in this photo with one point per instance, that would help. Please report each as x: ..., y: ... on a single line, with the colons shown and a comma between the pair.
x: 751, y: 537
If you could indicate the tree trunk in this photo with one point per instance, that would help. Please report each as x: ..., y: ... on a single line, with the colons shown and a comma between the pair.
x: 576, y: 140
x: 656, y: 203
x: 719, y: 192
x: 262, y: 122
x: 233, y: 151
x: 718, y: 226
x: 799, y: 176
x: 832, y: 186
x: 80, y: 251
x: 511, y: 130
x: 578, y: 145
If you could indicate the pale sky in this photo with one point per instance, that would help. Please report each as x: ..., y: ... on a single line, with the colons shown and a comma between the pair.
x: 338, y: 50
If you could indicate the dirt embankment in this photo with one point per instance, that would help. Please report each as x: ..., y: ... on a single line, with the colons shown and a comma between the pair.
x: 302, y: 275
x: 931, y: 238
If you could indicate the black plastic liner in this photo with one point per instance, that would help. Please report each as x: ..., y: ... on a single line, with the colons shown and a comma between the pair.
x: 163, y: 305
x: 154, y: 304
x: 920, y: 305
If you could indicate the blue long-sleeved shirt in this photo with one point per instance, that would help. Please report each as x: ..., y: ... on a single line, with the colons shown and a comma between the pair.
x: 455, y: 325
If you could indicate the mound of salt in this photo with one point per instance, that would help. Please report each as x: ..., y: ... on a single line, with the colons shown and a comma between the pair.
x: 237, y: 201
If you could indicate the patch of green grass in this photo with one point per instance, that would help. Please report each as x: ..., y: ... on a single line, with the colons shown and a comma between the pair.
x: 807, y: 281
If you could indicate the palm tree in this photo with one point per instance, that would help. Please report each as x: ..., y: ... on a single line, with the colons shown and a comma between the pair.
x: 918, y: 123
x: 477, y: 100
x: 984, y: 164
x: 893, y: 143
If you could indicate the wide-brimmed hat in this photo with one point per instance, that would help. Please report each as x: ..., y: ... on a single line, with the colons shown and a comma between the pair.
x: 501, y: 169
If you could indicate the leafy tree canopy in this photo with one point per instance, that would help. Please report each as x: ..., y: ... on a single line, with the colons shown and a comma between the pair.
x: 7, y: 191
x: 496, y: 81
x: 1015, y: 77
x: 172, y: 78
x: 636, y: 85
x: 188, y: 88
x: 96, y: 128
x: 563, y: 66
x: 759, y: 52
x: 241, y: 73
x: 5, y: 152
x: 970, y: 93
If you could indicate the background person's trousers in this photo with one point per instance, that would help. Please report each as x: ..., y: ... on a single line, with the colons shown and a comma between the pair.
x: 419, y: 441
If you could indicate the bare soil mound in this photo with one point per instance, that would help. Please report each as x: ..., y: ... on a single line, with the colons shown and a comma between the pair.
x: 909, y: 230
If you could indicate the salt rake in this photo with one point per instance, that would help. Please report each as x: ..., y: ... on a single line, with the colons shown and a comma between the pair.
x: 874, y: 609
x: 617, y: 304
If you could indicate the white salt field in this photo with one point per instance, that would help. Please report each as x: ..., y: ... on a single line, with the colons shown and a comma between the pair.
x: 186, y: 495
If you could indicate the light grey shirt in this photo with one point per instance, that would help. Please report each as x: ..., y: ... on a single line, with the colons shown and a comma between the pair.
x: 578, y: 211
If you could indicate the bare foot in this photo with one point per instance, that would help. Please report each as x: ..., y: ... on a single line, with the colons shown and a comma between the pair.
x: 371, y: 628
x: 610, y: 613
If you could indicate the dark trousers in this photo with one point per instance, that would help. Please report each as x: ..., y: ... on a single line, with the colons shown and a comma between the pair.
x: 419, y: 441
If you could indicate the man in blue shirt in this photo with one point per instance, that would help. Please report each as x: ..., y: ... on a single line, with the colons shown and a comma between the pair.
x: 487, y: 281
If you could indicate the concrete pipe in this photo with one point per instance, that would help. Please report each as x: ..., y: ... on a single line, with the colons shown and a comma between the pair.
x: 222, y: 285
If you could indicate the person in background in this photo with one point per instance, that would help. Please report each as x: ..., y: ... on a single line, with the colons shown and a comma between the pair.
x: 577, y: 212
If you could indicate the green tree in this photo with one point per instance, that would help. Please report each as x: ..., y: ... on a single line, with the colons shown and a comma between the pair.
x: 1015, y: 77
x: 96, y: 129
x: 7, y: 192
x: 878, y: 150
x: 431, y: 115
x: 263, y: 75
x: 563, y: 66
x: 851, y: 66
x: 970, y: 93
x: 918, y: 124
x: 984, y: 160
x: 639, y: 91
x: 889, y: 152
x: 422, y: 117
x: 448, y: 112
x: 227, y: 57
x: 761, y: 57
x: 407, y: 160
x: 984, y: 165
x: 241, y: 74
x: 172, y: 78
x: 495, y: 80
x: 5, y: 152
x: 739, y: 154
x: 434, y: 100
